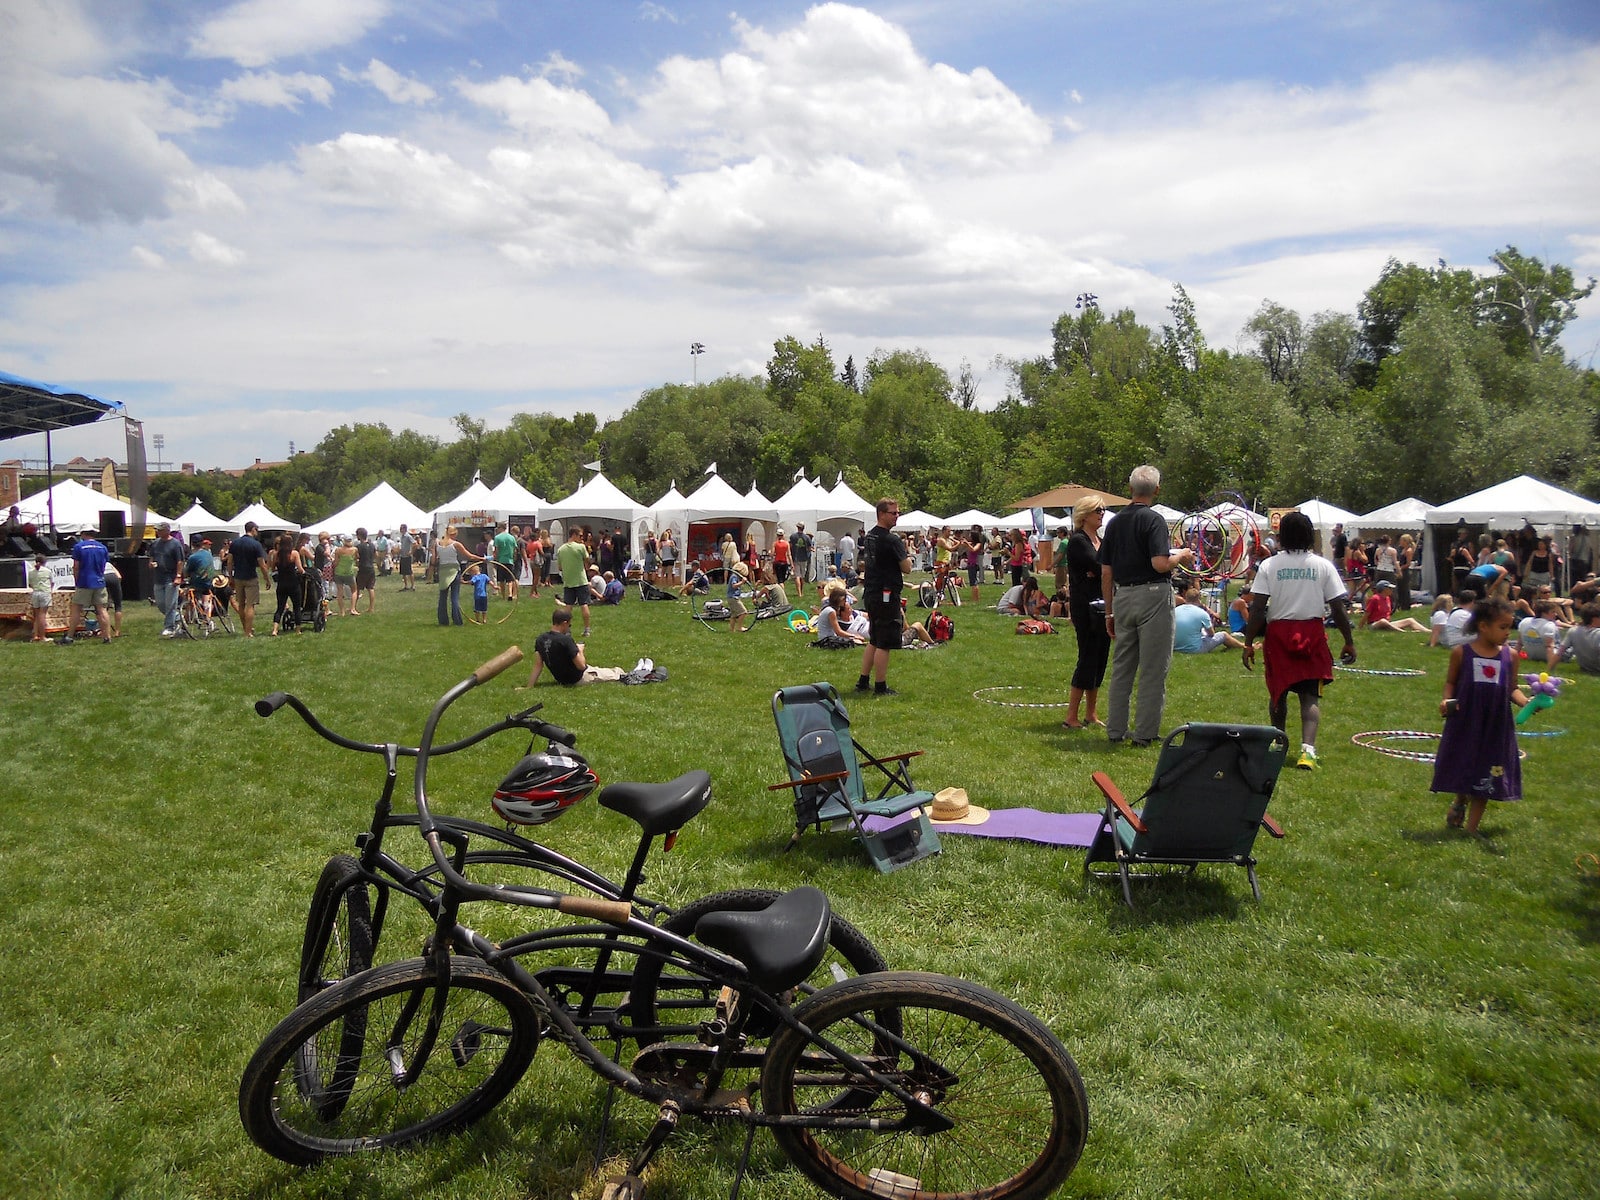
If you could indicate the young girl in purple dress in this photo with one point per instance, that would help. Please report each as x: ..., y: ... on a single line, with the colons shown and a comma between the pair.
x: 1477, y: 759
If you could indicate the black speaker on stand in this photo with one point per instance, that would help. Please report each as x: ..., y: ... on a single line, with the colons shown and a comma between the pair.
x: 113, y: 524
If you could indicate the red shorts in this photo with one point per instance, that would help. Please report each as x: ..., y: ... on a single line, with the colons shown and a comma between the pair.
x: 1296, y: 652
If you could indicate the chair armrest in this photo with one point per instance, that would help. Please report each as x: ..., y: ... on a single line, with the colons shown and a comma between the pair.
x: 889, y: 758
x: 1114, y: 794
x: 1272, y: 826
x: 794, y: 783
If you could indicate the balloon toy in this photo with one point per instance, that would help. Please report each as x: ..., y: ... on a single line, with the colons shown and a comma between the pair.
x: 1542, y: 690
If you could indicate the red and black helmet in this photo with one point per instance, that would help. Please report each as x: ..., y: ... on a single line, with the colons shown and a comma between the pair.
x: 543, y: 786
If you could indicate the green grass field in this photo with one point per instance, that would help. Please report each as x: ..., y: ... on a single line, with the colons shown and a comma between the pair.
x: 1408, y: 1013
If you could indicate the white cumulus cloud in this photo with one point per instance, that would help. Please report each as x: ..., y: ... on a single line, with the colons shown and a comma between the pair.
x: 204, y: 248
x: 254, y: 33
x: 401, y: 89
x: 272, y: 90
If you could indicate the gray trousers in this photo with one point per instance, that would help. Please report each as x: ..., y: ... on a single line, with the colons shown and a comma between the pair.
x: 1142, y: 617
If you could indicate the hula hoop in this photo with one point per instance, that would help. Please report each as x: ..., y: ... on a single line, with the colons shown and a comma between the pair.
x: 1015, y: 687
x: 799, y: 621
x: 1407, y: 673
x: 511, y: 577
x: 1541, y: 733
x: 1373, y: 737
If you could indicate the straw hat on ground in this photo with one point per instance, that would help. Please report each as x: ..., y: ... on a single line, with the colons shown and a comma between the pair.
x: 950, y: 807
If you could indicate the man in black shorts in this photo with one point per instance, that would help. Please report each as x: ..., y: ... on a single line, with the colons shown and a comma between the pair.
x: 366, y: 572
x: 885, y: 562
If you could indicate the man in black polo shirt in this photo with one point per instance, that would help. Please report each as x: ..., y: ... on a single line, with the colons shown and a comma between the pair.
x: 1136, y: 561
x: 885, y: 563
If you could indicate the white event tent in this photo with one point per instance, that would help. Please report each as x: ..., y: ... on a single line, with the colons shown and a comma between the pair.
x: 381, y: 508
x: 1324, y: 517
x: 512, y: 500
x: 77, y: 508
x: 473, y: 507
x: 917, y: 520
x: 198, y: 520
x: 266, y: 520
x: 1508, y: 506
x: 1408, y: 516
x: 716, y: 503
x: 597, y: 502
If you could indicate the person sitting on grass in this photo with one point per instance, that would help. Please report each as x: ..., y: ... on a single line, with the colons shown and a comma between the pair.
x: 1239, y: 611
x: 479, y: 581
x: 1379, y: 612
x: 840, y: 619
x: 698, y: 583
x: 556, y: 651
x: 1455, y: 627
x: 772, y: 594
x: 613, y: 590
x: 1540, y: 634
x: 1582, y: 643
x: 1439, y: 617
x: 1194, y: 631
x: 1025, y: 599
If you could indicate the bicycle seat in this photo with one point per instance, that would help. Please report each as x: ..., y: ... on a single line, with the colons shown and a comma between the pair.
x: 779, y: 945
x: 659, y: 807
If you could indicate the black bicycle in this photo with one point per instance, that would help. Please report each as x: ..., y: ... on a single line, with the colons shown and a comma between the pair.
x: 899, y: 1084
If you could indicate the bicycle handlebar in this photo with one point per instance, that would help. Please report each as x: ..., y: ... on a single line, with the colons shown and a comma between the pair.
x: 508, y: 657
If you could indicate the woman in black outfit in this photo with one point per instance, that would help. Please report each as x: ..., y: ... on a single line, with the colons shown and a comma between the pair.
x: 287, y: 572
x: 1083, y: 593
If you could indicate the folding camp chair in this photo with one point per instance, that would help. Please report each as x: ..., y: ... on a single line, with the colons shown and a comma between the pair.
x: 825, y: 776
x: 1205, y: 804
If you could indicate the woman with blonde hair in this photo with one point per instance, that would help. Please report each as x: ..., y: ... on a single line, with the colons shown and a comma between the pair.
x: 450, y: 556
x: 1407, y: 554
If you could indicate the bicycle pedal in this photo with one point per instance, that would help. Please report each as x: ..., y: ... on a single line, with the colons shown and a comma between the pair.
x: 623, y: 1187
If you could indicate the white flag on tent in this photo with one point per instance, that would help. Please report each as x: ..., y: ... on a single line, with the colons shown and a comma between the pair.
x: 712, y: 469
x: 594, y: 466
x: 799, y: 475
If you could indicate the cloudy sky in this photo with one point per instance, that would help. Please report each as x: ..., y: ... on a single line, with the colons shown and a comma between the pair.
x: 252, y: 222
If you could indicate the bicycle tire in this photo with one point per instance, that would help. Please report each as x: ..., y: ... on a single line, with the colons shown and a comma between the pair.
x: 486, y: 1039
x: 1020, y: 1112
x: 223, y: 619
x: 338, y: 942
x: 646, y: 1004
x: 189, y: 620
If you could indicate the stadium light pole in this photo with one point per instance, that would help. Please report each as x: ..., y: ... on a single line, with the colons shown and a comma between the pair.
x: 696, y: 349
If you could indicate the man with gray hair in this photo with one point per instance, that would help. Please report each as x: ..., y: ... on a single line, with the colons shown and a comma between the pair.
x: 1136, y: 562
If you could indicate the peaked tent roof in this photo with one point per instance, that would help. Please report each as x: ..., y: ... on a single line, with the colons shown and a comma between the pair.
x: 917, y: 519
x: 1409, y: 513
x: 1517, y: 500
x: 1323, y: 513
x: 264, y: 518
x: 754, y: 496
x: 477, y: 498
x: 381, y: 508
x: 599, y: 498
x: 76, y: 507
x: 802, y: 503
x: 511, y: 497
x: 844, y: 504
x: 199, y: 519
x: 28, y: 406
x: 715, y: 499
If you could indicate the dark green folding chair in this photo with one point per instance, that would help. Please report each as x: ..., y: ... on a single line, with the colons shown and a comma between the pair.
x: 1205, y: 804
x: 824, y: 762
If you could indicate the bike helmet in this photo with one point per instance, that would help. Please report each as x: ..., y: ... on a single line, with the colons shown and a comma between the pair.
x: 543, y: 786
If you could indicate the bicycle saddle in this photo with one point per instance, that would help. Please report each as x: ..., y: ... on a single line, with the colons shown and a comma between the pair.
x: 659, y: 807
x: 779, y: 945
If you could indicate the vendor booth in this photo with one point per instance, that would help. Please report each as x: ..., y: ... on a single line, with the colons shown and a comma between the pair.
x: 599, y: 504
x: 382, y: 508
x: 1570, y: 519
x: 711, y: 510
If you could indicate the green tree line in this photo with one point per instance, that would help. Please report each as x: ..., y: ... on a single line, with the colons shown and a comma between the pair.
x: 1443, y: 381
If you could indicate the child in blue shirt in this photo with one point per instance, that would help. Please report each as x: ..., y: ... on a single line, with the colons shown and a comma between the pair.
x: 480, y: 595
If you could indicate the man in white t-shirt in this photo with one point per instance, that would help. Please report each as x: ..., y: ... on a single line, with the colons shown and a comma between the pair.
x: 1292, y: 591
x: 1455, y: 626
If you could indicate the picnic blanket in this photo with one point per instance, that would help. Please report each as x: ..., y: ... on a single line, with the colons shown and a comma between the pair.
x: 1021, y: 824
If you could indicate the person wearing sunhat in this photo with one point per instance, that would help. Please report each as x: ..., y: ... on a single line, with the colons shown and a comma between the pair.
x: 951, y: 807
x: 738, y: 581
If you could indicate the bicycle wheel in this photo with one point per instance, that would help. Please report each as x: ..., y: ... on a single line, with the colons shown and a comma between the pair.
x: 338, y: 943
x: 1010, y: 1088
x: 487, y: 1036
x: 189, y: 623
x: 680, y: 1001
x: 220, y: 614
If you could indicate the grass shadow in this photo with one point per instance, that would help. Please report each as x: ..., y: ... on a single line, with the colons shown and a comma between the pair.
x: 1173, y: 897
x: 1581, y: 905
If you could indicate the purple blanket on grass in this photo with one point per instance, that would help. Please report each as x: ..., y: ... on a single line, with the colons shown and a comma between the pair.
x: 1023, y: 824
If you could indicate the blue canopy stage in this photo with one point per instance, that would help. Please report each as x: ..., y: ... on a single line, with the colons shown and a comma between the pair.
x: 28, y: 407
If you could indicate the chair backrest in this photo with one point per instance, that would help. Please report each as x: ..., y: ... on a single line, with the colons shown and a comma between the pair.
x: 814, y: 733
x: 1210, y: 790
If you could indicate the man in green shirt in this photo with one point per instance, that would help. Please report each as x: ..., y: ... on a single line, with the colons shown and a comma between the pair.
x: 573, y: 561
x: 505, y: 555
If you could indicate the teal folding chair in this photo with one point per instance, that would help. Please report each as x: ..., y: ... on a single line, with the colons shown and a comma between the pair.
x: 824, y: 762
x: 1206, y: 803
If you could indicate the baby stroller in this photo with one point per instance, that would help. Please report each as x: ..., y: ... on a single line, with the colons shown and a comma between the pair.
x: 310, y: 607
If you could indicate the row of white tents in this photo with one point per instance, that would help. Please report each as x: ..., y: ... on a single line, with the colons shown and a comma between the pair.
x: 827, y: 513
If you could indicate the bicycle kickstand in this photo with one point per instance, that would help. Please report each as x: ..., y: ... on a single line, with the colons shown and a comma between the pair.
x: 631, y: 1185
